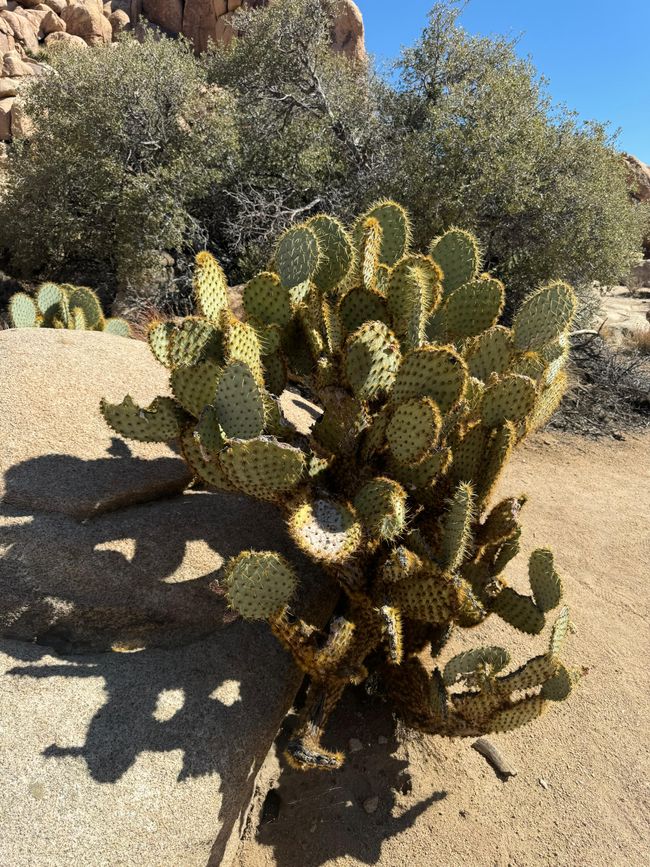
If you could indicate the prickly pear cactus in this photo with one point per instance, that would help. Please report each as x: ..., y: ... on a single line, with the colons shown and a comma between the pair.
x: 65, y: 306
x: 424, y: 396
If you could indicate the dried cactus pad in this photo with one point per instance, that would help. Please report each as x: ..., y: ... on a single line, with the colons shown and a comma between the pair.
x: 325, y: 530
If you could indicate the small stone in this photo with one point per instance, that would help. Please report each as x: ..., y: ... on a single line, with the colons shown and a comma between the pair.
x: 543, y: 783
x: 355, y: 745
x: 371, y: 804
x: 382, y: 739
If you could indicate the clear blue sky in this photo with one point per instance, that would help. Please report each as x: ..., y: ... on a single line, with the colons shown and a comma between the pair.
x: 595, y: 53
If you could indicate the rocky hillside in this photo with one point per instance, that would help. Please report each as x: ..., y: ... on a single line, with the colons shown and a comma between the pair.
x: 29, y: 26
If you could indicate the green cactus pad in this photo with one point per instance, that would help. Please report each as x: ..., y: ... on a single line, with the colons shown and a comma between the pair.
x: 239, y: 402
x: 511, y: 398
x: 203, y: 464
x: 420, y: 478
x: 263, y: 467
x: 469, y: 453
x: 241, y: 343
x: 544, y: 580
x: 520, y: 714
x: 555, y: 355
x: 325, y: 530
x: 210, y: 286
x: 88, y: 302
x: 275, y: 372
x: 372, y: 358
x: 269, y: 337
x: 77, y: 320
x: 161, y: 421
x: 413, y: 429
x: 457, y: 527
x: 395, y: 230
x: 473, y: 308
x: 429, y: 597
x: 297, y: 256
x: 375, y: 436
x: 48, y: 301
x: 381, y: 506
x: 457, y: 253
x: 476, y: 665
x: 559, y: 632
x: 194, y: 387
x: 519, y: 611
x: 337, y: 254
x: 435, y: 372
x: 400, y: 565
x: 208, y: 433
x: 362, y: 305
x: 332, y: 326
x: 23, y: 311
x: 267, y: 300
x: 490, y: 353
x: 548, y: 401
x: 544, y: 316
x: 117, y: 326
x: 192, y: 341
x: 159, y: 336
x: 413, y: 291
x: 533, y: 673
x: 369, y: 234
x: 259, y: 584
x: 498, y: 450
x: 558, y: 687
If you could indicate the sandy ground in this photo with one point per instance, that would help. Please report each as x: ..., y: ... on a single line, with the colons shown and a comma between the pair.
x: 582, y: 792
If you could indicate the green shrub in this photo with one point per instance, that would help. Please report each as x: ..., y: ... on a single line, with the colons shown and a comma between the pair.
x: 424, y: 396
x: 126, y: 137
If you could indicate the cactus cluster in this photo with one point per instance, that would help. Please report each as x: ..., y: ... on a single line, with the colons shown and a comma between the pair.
x: 63, y: 306
x: 424, y: 395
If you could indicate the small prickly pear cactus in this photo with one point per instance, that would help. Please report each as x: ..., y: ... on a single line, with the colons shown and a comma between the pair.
x: 424, y: 396
x: 65, y: 306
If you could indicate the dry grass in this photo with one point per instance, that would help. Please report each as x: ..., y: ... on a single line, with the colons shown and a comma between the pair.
x: 639, y: 340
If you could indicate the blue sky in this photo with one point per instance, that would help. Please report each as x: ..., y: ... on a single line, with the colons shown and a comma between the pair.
x: 595, y: 53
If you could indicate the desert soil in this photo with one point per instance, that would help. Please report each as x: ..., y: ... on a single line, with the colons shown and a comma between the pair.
x: 582, y: 791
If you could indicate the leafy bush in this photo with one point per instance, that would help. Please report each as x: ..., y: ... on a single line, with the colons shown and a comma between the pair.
x: 126, y: 138
x: 424, y: 396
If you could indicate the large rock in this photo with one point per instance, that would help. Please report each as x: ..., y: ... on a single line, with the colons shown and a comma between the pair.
x: 5, y: 118
x: 638, y: 178
x: 61, y: 39
x: 57, y: 452
x: 51, y: 23
x: 23, y: 30
x: 8, y: 87
x: 134, y: 577
x: 145, y: 758
x: 13, y: 66
x: 167, y: 14
x: 86, y: 20
x: 349, y: 32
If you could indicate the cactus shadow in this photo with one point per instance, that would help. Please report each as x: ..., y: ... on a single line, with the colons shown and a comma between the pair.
x: 314, y: 818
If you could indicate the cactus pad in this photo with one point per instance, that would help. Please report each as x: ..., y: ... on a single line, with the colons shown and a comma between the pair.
x: 475, y: 666
x: 511, y: 398
x: 210, y: 286
x: 362, y: 305
x: 297, y: 256
x: 117, y: 326
x: 544, y: 580
x: 413, y: 429
x: 473, y: 308
x: 325, y: 530
x: 457, y: 253
x: 337, y: 254
x: 267, y: 300
x: 263, y: 467
x: 259, y: 583
x: 194, y: 386
x: 239, y: 402
x: 23, y: 311
x: 87, y: 301
x: 160, y: 422
x: 193, y: 341
x: 544, y: 316
x: 395, y: 230
x: 203, y: 464
x: 435, y: 372
x: 159, y: 337
x: 381, y: 506
x: 372, y: 357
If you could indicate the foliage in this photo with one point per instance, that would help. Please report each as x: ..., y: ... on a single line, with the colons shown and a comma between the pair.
x: 72, y: 307
x: 424, y: 396
x: 472, y: 124
x: 125, y: 139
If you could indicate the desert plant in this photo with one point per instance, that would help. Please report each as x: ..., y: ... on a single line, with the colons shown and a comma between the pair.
x: 424, y: 396
x: 74, y: 307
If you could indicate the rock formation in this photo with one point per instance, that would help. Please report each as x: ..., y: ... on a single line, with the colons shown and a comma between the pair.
x: 26, y: 26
